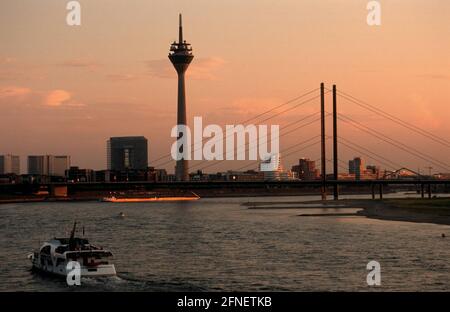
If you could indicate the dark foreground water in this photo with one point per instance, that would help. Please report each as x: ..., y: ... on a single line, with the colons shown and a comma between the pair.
x: 218, y: 244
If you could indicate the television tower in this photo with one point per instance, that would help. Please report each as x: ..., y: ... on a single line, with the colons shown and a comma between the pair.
x: 181, y: 56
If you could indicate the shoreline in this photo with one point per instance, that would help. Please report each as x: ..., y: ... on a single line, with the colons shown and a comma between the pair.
x: 418, y: 210
x: 98, y: 197
x: 407, y: 210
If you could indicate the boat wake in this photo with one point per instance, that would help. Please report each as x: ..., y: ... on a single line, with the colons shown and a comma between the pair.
x: 126, y: 282
x: 123, y: 282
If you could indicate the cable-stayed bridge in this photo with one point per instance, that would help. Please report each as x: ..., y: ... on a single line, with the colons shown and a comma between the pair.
x: 317, y: 121
x: 320, y: 139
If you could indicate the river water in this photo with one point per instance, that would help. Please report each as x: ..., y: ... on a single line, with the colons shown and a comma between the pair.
x: 220, y: 245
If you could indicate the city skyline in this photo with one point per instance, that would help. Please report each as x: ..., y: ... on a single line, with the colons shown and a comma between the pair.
x: 131, y: 150
x: 88, y: 92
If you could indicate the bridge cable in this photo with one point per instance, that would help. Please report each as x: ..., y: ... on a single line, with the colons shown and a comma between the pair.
x: 394, y: 119
x: 257, y: 116
x: 396, y: 143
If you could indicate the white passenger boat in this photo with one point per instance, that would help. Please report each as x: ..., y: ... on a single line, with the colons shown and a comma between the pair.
x: 54, y: 255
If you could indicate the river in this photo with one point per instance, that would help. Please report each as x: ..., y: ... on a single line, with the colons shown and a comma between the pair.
x: 218, y: 244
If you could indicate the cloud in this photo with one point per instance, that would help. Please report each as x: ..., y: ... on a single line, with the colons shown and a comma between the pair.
x: 161, y: 68
x: 422, y: 114
x: 200, y: 69
x: 426, y: 118
x: 75, y: 104
x: 57, y: 98
x: 14, y: 92
x: 253, y: 106
x: 80, y: 63
x: 12, y: 69
x: 436, y: 76
x: 123, y: 77
x: 7, y: 60
x: 22, y: 96
x: 18, y: 96
x: 204, y: 69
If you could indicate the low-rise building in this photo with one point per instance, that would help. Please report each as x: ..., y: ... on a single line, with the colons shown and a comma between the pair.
x: 75, y: 174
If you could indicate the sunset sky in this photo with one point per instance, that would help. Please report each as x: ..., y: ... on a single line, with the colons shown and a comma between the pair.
x: 66, y: 90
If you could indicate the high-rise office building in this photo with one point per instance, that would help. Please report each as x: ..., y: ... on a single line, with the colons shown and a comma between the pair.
x: 273, y: 170
x: 356, y: 167
x: 306, y: 169
x: 181, y: 56
x: 37, y: 165
x: 57, y: 165
x: 127, y: 153
x: 9, y: 164
x: 49, y: 165
x: 271, y: 163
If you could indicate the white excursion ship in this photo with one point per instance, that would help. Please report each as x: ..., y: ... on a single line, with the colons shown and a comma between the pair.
x: 147, y: 197
x: 54, y: 255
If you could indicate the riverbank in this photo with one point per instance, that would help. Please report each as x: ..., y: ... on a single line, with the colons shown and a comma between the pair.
x: 98, y: 196
x: 47, y: 199
x: 419, y: 210
x: 436, y: 210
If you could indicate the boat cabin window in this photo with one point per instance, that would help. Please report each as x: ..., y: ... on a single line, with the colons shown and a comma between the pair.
x: 45, y: 250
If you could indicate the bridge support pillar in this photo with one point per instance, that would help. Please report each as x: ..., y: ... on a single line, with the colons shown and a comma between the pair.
x: 429, y: 190
x: 322, y: 147
x: 373, y: 191
x: 336, y: 192
x: 335, y: 146
x: 381, y: 191
x: 422, y: 191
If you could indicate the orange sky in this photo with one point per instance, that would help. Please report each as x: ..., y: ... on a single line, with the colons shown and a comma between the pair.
x: 65, y: 90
